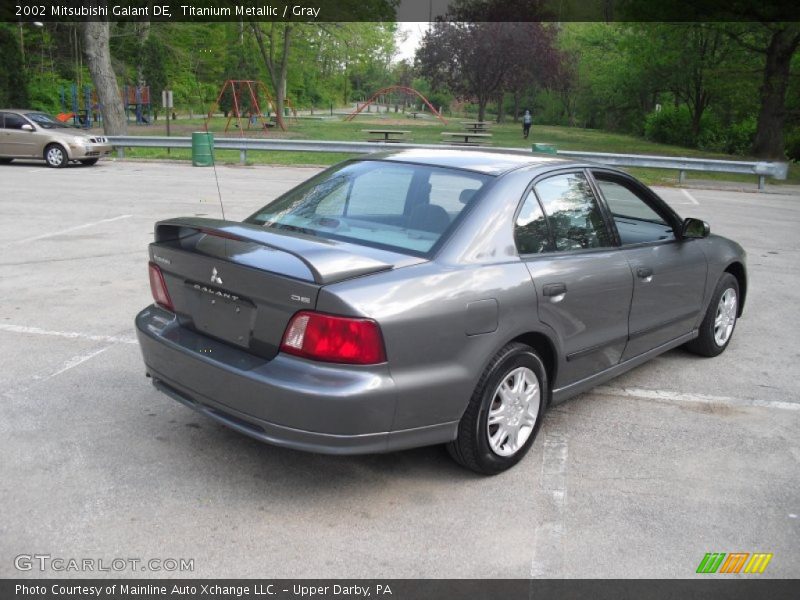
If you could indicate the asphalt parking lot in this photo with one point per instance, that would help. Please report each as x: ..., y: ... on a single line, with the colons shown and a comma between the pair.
x: 639, y: 478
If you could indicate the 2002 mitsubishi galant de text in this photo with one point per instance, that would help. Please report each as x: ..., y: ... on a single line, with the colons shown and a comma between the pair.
x: 430, y: 296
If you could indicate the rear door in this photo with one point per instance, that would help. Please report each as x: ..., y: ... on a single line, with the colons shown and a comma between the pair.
x: 669, y: 274
x: 5, y: 137
x: 16, y: 141
x: 582, y: 281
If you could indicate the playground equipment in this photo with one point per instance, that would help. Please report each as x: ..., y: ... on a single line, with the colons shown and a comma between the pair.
x: 137, y: 103
x: 244, y: 103
x: 400, y: 89
x: 82, y: 114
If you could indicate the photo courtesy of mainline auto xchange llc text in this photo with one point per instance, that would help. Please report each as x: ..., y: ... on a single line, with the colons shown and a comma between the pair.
x: 203, y: 589
x: 444, y: 299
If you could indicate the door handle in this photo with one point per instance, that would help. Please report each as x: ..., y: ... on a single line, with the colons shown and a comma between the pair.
x: 554, y: 289
x: 645, y: 273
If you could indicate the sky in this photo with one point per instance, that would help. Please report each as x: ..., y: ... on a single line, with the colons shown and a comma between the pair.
x: 414, y: 31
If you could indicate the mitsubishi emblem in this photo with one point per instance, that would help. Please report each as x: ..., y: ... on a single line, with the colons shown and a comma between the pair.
x: 215, y: 278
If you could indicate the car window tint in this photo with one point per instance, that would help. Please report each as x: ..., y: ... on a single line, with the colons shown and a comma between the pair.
x: 572, y: 212
x: 391, y: 205
x: 380, y: 192
x: 452, y: 191
x: 636, y: 221
x: 530, y: 231
x: 13, y: 121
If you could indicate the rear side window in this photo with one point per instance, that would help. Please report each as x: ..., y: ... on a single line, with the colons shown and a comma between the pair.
x: 573, y: 217
x: 13, y: 121
x: 531, y: 231
x: 393, y: 205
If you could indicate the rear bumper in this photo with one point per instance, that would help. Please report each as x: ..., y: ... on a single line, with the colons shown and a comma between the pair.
x: 286, y: 401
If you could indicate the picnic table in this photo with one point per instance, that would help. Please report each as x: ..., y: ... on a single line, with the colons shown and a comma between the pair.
x: 387, y: 135
x: 469, y: 138
x: 477, y: 126
x: 413, y: 114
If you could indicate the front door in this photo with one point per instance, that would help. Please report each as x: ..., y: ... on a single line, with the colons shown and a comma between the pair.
x: 669, y: 274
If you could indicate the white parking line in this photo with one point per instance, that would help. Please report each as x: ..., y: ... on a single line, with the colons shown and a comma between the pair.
x: 68, y: 364
x: 548, y: 540
x: 112, y: 339
x: 669, y: 396
x: 63, y: 231
x: 690, y: 197
x: 75, y: 361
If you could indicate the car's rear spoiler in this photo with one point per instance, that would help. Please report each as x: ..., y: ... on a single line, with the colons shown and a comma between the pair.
x: 326, y: 259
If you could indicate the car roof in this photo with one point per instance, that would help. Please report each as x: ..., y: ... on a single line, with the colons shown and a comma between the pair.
x: 487, y: 161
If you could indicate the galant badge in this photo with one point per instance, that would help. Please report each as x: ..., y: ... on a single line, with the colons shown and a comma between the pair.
x: 215, y: 278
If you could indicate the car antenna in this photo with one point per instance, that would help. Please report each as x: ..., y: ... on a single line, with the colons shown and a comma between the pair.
x: 216, y: 177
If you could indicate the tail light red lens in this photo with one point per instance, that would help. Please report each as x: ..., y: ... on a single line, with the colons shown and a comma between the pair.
x: 159, y: 287
x: 334, y: 339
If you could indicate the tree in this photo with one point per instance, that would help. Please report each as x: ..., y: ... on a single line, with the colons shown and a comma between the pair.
x: 274, y: 49
x: 469, y: 59
x: 778, y: 43
x: 535, y: 61
x: 688, y: 59
x: 98, y: 58
x: 13, y: 88
x: 154, y: 70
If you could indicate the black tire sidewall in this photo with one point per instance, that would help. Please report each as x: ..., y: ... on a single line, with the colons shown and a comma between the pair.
x: 518, y: 357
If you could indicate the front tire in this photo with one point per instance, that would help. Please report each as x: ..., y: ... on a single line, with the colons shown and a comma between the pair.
x: 504, y: 414
x: 716, y: 330
x: 56, y: 156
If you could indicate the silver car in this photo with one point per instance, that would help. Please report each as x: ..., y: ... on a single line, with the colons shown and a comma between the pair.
x: 34, y: 134
x: 430, y: 297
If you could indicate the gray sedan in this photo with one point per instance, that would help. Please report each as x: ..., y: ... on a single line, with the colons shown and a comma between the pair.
x: 430, y: 297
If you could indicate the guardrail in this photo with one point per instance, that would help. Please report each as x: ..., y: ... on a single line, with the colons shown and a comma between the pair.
x: 761, y: 169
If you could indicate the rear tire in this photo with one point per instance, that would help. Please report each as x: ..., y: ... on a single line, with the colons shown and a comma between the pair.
x: 504, y: 414
x: 716, y: 330
x: 89, y: 161
x: 56, y: 156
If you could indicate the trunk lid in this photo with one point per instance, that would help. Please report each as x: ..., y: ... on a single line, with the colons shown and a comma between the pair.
x: 241, y: 283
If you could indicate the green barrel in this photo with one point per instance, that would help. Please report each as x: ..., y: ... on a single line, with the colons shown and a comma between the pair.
x: 544, y: 148
x: 202, y: 149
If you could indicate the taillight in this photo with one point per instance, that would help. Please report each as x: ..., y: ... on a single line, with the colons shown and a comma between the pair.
x: 334, y: 339
x: 159, y: 287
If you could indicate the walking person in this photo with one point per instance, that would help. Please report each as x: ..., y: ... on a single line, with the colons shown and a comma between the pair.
x: 527, y: 119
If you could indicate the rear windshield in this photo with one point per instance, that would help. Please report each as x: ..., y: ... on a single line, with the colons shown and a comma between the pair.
x: 397, y: 206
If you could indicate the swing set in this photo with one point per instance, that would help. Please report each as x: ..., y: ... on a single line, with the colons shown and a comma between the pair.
x: 244, y: 95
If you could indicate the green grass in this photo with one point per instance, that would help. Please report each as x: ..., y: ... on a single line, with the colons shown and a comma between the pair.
x: 428, y: 131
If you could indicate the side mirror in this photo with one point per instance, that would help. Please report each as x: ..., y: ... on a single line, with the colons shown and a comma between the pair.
x: 27, y: 127
x: 694, y: 229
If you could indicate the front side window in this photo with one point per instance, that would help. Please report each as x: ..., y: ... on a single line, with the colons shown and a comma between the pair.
x: 573, y: 215
x: 398, y: 206
x: 636, y: 221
